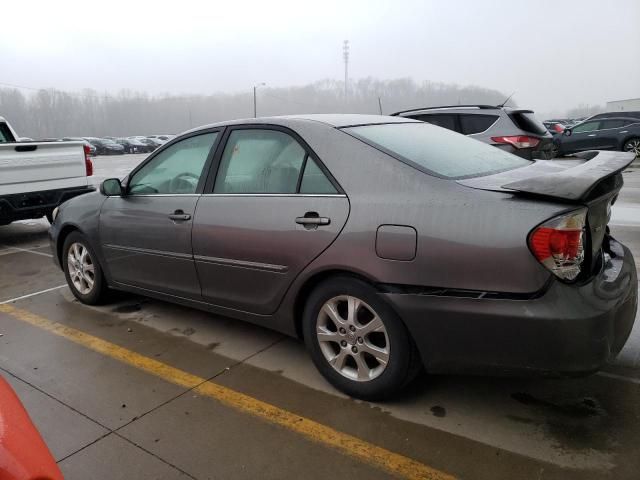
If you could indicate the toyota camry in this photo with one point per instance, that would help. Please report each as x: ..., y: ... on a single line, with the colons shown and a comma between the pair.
x: 388, y: 245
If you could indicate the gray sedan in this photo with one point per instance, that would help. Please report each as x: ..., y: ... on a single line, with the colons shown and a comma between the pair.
x: 389, y: 245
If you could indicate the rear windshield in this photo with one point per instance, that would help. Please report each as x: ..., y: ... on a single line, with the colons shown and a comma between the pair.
x: 437, y: 151
x: 528, y: 122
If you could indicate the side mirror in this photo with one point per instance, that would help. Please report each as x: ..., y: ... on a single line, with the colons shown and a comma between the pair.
x: 111, y: 187
x: 567, y: 132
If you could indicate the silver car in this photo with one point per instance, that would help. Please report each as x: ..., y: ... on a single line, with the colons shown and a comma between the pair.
x: 514, y: 130
x: 386, y: 243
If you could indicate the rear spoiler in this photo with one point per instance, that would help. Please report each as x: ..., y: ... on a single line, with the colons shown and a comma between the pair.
x: 575, y: 183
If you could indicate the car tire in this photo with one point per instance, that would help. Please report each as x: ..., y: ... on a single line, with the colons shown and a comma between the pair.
x: 82, y: 270
x: 363, y: 362
x: 632, y: 145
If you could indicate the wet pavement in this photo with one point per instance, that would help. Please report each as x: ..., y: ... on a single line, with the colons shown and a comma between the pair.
x: 103, y: 385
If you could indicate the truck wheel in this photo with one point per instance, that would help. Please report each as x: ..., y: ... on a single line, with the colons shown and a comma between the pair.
x: 357, y: 341
x: 82, y: 270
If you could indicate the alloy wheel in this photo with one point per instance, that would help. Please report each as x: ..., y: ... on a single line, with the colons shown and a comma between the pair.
x: 633, y: 146
x: 353, y: 338
x: 81, y: 268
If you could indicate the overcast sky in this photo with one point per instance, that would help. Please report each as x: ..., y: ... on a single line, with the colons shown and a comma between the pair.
x: 554, y: 54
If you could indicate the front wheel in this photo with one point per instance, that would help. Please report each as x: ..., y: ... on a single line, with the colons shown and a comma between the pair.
x: 632, y: 145
x: 356, y: 340
x: 82, y: 270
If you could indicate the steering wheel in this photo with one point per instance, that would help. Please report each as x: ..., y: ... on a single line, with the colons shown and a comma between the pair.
x: 184, y: 182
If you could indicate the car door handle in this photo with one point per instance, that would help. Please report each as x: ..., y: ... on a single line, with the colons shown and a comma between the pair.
x: 591, y: 135
x: 312, y: 220
x: 180, y: 216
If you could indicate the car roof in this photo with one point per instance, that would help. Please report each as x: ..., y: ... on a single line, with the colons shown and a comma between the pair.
x: 338, y: 120
x: 461, y: 108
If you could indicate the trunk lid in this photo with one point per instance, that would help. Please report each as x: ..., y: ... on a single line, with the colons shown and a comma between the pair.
x: 28, y: 167
x: 592, y: 179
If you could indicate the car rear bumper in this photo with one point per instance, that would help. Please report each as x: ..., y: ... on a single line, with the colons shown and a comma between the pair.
x: 567, y: 329
x: 23, y: 206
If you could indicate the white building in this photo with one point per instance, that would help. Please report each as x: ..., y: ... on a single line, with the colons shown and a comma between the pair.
x: 623, y: 105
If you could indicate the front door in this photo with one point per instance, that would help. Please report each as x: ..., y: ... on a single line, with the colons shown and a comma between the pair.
x: 583, y: 137
x: 146, y: 233
x: 272, y: 210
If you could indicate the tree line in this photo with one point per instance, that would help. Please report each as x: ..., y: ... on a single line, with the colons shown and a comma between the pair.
x: 52, y: 113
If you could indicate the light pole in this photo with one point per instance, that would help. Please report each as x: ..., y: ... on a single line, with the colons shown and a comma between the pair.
x: 255, y: 87
x: 345, y: 56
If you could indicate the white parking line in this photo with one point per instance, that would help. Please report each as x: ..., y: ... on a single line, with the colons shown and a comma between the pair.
x: 619, y: 377
x: 33, y: 294
x: 30, y: 251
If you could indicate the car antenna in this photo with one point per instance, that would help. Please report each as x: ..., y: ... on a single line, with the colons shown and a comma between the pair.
x: 505, y: 102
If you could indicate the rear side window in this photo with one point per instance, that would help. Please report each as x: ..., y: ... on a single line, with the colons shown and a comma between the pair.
x: 437, y: 151
x: 471, y: 124
x: 314, y: 180
x: 528, y: 122
x: 5, y: 134
x: 613, y: 124
x: 260, y: 161
x: 441, y: 120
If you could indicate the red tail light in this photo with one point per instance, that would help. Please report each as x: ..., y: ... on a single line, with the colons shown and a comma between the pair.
x: 559, y: 244
x: 87, y: 160
x: 518, y: 141
x: 558, y: 128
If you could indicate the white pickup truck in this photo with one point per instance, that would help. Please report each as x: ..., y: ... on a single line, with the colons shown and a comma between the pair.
x: 36, y: 177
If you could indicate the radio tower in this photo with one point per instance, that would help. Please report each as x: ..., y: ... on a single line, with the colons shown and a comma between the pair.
x: 345, y: 55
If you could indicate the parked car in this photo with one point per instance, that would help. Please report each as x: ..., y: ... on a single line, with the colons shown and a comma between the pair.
x: 104, y: 146
x: 23, y: 453
x: 150, y: 143
x: 132, y: 145
x: 36, y: 177
x: 387, y: 262
x: 629, y: 114
x: 161, y: 138
x: 513, y: 130
x: 622, y: 134
x: 553, y: 127
x: 92, y: 149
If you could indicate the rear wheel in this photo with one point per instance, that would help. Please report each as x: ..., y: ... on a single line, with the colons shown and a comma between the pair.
x: 82, y: 270
x: 356, y: 340
x: 632, y: 145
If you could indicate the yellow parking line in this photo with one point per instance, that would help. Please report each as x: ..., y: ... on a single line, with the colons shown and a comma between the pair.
x: 364, y: 451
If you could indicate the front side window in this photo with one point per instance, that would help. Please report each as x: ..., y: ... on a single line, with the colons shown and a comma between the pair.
x: 260, y: 161
x: 175, y: 170
x: 437, y: 151
x: 586, y: 127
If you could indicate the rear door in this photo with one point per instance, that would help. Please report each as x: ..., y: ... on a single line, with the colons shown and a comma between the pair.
x: 146, y: 234
x: 609, y: 133
x: 271, y: 209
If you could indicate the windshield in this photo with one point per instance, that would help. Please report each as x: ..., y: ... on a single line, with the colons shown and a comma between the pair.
x: 436, y: 150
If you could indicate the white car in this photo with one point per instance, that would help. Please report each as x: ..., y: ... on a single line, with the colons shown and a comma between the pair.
x: 36, y: 177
